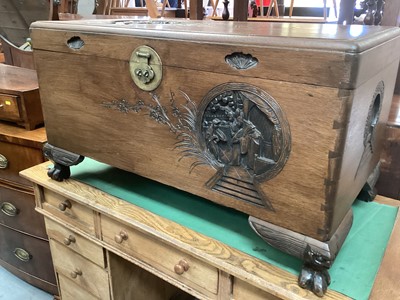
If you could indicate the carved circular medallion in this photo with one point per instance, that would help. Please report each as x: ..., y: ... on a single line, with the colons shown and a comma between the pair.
x: 245, y: 130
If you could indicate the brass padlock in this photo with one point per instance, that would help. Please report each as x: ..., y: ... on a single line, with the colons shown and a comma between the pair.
x: 146, y: 68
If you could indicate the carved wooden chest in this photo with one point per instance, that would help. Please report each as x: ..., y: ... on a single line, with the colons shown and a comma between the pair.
x: 280, y: 121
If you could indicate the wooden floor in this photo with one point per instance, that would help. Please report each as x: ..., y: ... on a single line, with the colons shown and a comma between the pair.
x: 13, y: 288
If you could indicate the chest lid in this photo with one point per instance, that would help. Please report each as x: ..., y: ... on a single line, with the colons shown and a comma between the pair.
x: 320, y: 54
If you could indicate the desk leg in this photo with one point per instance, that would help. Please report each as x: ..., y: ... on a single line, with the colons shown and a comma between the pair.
x: 62, y: 160
x: 318, y: 256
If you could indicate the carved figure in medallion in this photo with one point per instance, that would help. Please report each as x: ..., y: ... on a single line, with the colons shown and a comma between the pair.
x: 247, y: 134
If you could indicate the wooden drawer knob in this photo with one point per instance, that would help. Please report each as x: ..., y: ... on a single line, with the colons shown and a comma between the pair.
x: 3, y: 162
x: 120, y: 237
x: 181, y: 267
x: 69, y: 240
x: 76, y: 273
x: 64, y: 205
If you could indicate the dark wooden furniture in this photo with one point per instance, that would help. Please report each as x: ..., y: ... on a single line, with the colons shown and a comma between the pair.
x: 389, y: 180
x: 281, y: 121
x: 24, y: 247
x: 19, y: 97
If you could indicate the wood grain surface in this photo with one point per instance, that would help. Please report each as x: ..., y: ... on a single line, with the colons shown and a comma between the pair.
x: 299, y: 62
x: 17, y: 135
x: 271, y: 279
x: 17, y: 79
x: 93, y: 278
x: 386, y: 283
x: 324, y: 92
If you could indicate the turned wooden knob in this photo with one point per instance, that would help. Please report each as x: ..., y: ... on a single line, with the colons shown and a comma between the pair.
x: 181, y: 267
x: 64, y: 205
x: 69, y: 240
x: 76, y: 273
x: 120, y: 237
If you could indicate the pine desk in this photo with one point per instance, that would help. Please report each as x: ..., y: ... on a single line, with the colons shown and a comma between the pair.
x: 107, y: 248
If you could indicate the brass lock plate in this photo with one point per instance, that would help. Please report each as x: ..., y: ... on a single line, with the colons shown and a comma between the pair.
x: 146, y: 68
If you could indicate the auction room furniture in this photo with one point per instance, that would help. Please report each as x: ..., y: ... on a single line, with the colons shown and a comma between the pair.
x: 324, y: 9
x: 19, y: 97
x: 24, y: 247
x: 104, y: 247
x: 284, y: 124
x: 389, y: 179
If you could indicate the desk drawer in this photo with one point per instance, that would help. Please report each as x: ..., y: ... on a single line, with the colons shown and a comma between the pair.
x: 75, y: 242
x: 9, y: 107
x: 69, y: 211
x: 81, y: 271
x: 71, y: 291
x: 163, y: 257
x: 15, y: 158
x: 26, y: 253
x: 17, y: 210
x: 243, y: 290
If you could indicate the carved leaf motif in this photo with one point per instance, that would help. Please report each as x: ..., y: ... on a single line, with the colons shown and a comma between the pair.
x: 241, y: 61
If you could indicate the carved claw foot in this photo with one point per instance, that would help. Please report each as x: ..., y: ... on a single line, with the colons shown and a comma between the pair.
x: 314, y: 275
x: 59, y: 172
x: 318, y: 256
x: 62, y: 161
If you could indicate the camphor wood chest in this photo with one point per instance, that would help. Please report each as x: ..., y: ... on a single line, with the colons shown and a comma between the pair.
x: 280, y: 121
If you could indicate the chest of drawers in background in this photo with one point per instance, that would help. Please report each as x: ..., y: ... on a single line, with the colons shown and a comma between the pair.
x: 19, y: 97
x: 24, y: 246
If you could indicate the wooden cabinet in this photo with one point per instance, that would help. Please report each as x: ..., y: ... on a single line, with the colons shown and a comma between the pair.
x: 166, y: 259
x: 106, y: 248
x: 19, y: 97
x: 388, y: 183
x: 24, y: 247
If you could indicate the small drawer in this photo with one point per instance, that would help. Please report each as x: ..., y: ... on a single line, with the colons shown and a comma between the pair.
x: 15, y: 158
x: 172, y: 262
x: 9, y: 107
x: 75, y: 242
x: 26, y: 253
x: 71, y: 291
x: 81, y: 271
x: 69, y: 211
x: 17, y: 210
x: 243, y: 290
